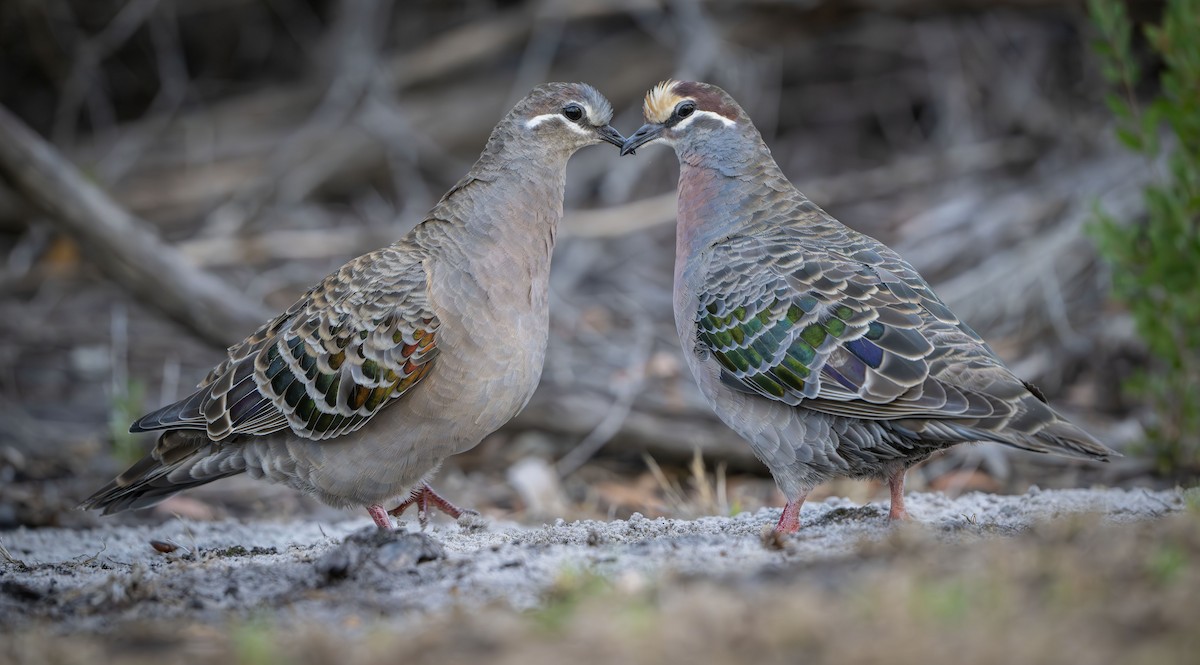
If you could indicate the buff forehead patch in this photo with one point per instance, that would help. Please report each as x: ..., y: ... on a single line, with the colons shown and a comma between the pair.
x: 660, y: 102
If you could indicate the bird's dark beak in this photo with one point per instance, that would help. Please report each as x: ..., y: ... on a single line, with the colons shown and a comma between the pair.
x: 642, y: 136
x: 607, y: 133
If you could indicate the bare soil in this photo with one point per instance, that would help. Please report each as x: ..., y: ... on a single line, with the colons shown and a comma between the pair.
x: 1116, y: 571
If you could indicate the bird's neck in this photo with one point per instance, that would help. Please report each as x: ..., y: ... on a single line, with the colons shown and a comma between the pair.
x: 720, y: 190
x: 499, y: 225
x: 520, y: 203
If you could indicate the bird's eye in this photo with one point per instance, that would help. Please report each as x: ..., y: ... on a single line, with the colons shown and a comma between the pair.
x: 573, y: 112
x: 685, y: 109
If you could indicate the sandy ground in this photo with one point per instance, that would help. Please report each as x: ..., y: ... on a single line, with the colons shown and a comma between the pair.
x: 100, y: 579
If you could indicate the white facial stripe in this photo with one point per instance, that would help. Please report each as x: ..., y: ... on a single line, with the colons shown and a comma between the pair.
x: 539, y: 119
x: 575, y: 128
x: 707, y: 114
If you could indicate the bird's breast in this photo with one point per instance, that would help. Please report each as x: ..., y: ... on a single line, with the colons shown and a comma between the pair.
x: 492, y: 343
x: 700, y: 208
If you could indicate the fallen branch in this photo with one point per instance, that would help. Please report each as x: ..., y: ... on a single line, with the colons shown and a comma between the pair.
x: 627, y: 393
x: 669, y: 437
x: 284, y: 245
x: 121, y: 245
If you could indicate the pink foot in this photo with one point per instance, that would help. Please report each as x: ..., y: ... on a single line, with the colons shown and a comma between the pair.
x: 380, y: 516
x: 789, y: 521
x: 896, y: 485
x: 424, y: 497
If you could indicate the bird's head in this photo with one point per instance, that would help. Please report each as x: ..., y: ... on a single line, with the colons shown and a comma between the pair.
x: 567, y: 115
x: 686, y: 113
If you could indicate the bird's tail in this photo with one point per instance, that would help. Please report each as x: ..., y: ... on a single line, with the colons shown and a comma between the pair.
x: 181, y: 460
x: 1038, y: 428
x: 1061, y: 437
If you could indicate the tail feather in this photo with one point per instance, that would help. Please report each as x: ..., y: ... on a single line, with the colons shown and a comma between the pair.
x: 180, y: 461
x: 1039, y: 428
x: 1032, y: 425
x: 1061, y: 437
x: 1052, y: 434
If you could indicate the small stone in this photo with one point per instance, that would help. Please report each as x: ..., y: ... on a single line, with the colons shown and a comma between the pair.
x: 163, y: 546
x: 409, y: 550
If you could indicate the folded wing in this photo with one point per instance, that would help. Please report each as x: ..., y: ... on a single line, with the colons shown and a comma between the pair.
x: 856, y: 332
x: 359, y: 340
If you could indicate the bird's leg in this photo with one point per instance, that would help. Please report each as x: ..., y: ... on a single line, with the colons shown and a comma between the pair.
x: 789, y: 521
x: 896, y: 485
x: 380, y: 516
x: 415, y: 497
x: 438, y: 501
x: 424, y: 497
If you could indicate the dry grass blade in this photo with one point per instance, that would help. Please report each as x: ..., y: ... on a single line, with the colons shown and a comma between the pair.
x: 9, y: 558
x: 706, y: 497
x: 671, y: 489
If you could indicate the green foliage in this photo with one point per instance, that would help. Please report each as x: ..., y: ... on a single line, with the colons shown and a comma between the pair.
x: 1156, y: 263
x: 946, y: 602
x: 125, y: 408
x: 1191, y: 500
x: 570, y: 589
x: 1167, y: 563
x: 255, y: 642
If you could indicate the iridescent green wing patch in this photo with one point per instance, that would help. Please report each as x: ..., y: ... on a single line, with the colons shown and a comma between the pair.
x: 791, y: 328
x: 350, y: 352
x: 353, y: 344
x: 806, y: 311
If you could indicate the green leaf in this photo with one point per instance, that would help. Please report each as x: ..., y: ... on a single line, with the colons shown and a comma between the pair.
x: 1156, y: 259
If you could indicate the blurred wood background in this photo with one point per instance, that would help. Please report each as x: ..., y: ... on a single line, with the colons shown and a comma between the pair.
x: 194, y: 164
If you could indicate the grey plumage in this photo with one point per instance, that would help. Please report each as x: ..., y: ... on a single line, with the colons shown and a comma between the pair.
x: 401, y: 357
x: 821, y: 346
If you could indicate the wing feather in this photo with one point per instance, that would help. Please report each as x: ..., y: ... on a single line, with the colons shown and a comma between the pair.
x: 359, y: 340
x: 854, y: 332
